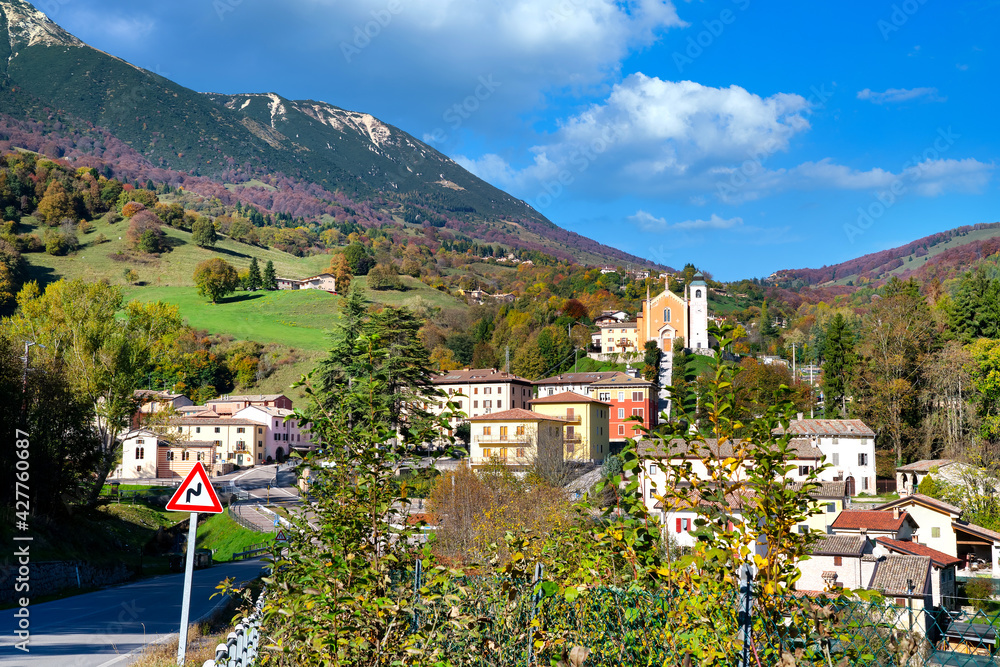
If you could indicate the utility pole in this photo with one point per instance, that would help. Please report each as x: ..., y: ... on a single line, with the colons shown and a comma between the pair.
x: 506, y: 367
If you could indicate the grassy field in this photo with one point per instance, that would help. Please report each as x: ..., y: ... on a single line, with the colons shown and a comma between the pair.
x: 227, y: 537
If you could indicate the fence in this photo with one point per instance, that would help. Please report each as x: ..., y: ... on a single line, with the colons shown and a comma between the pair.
x: 253, y: 551
x: 617, y: 628
x: 241, y: 647
x: 237, y: 512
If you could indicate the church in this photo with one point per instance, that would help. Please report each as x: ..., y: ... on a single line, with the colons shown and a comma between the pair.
x: 667, y: 317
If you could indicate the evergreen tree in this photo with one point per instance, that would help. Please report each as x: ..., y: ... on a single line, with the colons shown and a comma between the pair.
x: 269, y: 280
x: 766, y: 326
x: 254, y: 280
x: 377, y: 359
x: 839, y: 353
x: 975, y: 311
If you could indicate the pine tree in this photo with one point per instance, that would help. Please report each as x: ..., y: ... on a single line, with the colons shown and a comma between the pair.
x: 269, y: 281
x: 839, y: 353
x: 254, y: 280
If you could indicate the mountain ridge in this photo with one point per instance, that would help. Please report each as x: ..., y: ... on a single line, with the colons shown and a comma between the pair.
x: 214, y: 134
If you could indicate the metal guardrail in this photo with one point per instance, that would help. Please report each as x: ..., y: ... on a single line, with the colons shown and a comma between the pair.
x: 241, y: 647
x: 250, y: 553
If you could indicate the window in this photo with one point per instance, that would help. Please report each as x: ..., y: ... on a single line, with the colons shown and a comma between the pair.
x: 486, y: 430
x: 218, y: 443
x: 260, y: 443
x: 805, y: 470
x: 140, y: 441
x: 475, y: 404
x: 499, y: 404
x: 230, y: 456
x: 621, y: 396
x: 170, y: 456
x: 836, y: 459
x: 862, y: 459
x: 458, y: 404
x: 475, y: 390
x: 621, y: 413
x: 570, y: 413
x: 697, y: 294
x: 487, y: 453
x: 621, y: 429
x: 260, y: 456
x: 683, y: 524
x: 185, y: 456
x: 487, y: 404
x: 836, y: 440
x: 636, y: 396
x: 197, y: 429
x: 936, y: 531
x: 831, y: 508
x: 570, y: 432
x: 218, y: 430
x: 637, y: 412
x: 140, y: 452
x: 260, y: 429
x: 600, y: 430
x: 520, y: 452
x: 864, y: 483
x: 604, y: 396
x: 520, y: 430
x: 201, y: 456
x: 239, y: 429
x: 838, y: 560
x: 487, y: 390
x: 503, y: 432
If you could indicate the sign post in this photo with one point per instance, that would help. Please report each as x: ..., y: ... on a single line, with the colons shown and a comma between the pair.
x: 195, y: 494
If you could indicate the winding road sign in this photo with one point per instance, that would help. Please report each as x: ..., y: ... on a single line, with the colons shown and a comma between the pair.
x: 195, y: 494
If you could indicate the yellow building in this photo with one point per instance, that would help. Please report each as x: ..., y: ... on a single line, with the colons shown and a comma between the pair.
x: 585, y: 433
x: 515, y: 437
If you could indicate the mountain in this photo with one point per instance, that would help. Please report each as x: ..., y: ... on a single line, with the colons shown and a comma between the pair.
x: 44, y: 70
x: 940, y: 255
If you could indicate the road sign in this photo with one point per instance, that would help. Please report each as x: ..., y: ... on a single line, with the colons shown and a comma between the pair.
x: 281, y: 537
x: 195, y: 494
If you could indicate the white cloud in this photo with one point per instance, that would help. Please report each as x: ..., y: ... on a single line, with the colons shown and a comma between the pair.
x: 650, y: 223
x: 654, y: 134
x: 131, y: 28
x: 899, y: 95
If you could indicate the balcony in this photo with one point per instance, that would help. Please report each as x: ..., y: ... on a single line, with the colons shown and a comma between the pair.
x: 502, y: 441
x: 570, y: 419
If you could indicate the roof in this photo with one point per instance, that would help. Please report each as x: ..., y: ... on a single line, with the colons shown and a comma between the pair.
x: 246, y: 397
x: 575, y: 378
x: 840, y: 545
x: 924, y: 466
x: 567, y: 397
x: 187, y: 443
x: 678, y: 448
x: 620, y: 379
x: 516, y: 414
x: 938, y: 558
x: 894, y: 574
x: 153, y: 393
x: 871, y: 520
x: 926, y: 501
x: 848, y: 427
x: 219, y: 421
x: 824, y: 489
x: 476, y: 375
x: 271, y: 410
x: 615, y: 324
x: 979, y: 531
x: 736, y: 499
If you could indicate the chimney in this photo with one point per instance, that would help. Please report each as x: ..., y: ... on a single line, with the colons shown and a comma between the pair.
x: 800, y: 416
x: 895, y: 513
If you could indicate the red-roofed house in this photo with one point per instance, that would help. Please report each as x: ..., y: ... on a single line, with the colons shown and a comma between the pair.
x: 516, y: 438
x: 872, y: 523
x: 943, y: 568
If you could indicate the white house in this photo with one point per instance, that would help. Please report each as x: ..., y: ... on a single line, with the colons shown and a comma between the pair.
x: 323, y: 281
x: 847, y: 444
x: 282, y: 431
x: 837, y: 561
x: 943, y: 569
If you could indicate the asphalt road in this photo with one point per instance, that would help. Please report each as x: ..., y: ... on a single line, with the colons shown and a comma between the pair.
x: 103, y: 628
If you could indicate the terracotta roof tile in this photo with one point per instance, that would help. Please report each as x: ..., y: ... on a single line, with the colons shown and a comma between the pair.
x: 921, y: 499
x: 938, y: 558
x: 678, y: 448
x: 476, y: 376
x: 871, y: 519
x: 845, y: 427
x: 516, y: 414
x: 839, y: 545
x: 575, y: 378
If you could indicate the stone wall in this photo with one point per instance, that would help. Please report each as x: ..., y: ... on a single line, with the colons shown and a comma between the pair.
x: 47, y: 577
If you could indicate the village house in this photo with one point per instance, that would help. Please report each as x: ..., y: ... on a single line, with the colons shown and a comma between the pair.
x: 615, y: 338
x: 634, y: 404
x: 831, y: 499
x: 515, y: 437
x: 908, y: 477
x: 323, y: 281
x: 480, y: 391
x: 149, y: 455
x: 237, y: 441
x: 585, y: 429
x: 943, y: 569
x: 848, y: 445
x: 283, y: 433
x: 836, y: 562
x: 578, y: 383
x: 230, y: 405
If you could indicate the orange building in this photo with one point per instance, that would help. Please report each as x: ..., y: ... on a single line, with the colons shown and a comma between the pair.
x: 667, y: 317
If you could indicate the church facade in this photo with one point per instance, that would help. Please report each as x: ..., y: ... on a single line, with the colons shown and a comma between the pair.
x: 667, y: 317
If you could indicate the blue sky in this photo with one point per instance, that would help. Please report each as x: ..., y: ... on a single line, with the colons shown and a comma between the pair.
x: 740, y: 135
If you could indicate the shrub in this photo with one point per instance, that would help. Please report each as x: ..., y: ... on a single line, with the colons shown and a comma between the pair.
x: 132, y: 208
x: 145, y: 233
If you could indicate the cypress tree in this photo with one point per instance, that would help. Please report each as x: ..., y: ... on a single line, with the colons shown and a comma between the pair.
x: 270, y: 280
x: 254, y: 281
x: 839, y: 360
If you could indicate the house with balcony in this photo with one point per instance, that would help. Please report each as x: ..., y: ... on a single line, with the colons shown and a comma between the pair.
x: 282, y: 432
x: 585, y: 419
x: 634, y: 403
x: 480, y: 391
x: 237, y: 441
x: 516, y: 438
x: 616, y: 339
x: 148, y: 455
